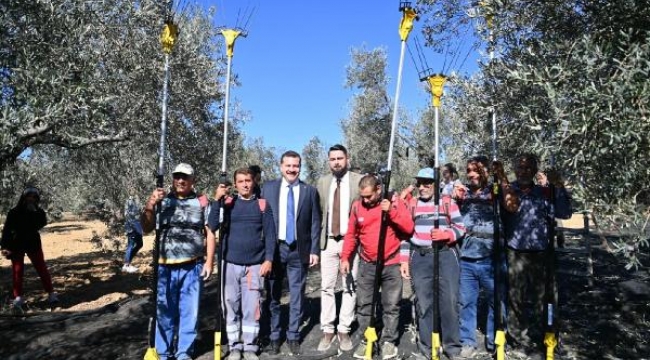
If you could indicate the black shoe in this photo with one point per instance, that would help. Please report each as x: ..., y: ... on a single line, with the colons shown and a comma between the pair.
x: 294, y: 347
x: 273, y: 348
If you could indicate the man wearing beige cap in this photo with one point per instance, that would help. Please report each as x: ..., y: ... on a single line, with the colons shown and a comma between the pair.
x: 185, y: 260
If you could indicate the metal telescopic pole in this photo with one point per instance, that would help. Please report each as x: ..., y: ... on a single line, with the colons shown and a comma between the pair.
x: 406, y: 25
x: 550, y: 336
x: 494, y: 135
x: 168, y: 39
x: 500, y: 336
x: 163, y: 126
x: 225, y: 116
x: 586, y: 235
x: 396, y: 107
x: 436, y: 347
x: 437, y: 83
x: 498, y: 255
x: 230, y: 35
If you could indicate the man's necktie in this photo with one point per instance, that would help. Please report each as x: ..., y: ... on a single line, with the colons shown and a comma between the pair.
x: 336, y: 210
x: 291, y: 217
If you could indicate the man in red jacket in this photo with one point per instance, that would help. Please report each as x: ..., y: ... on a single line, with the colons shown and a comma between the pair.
x: 364, y: 226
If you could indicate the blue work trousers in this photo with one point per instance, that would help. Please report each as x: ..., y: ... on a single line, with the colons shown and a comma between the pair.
x: 179, y: 292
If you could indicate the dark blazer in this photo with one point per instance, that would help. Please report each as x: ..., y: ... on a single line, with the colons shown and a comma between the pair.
x: 324, y: 190
x: 308, y: 219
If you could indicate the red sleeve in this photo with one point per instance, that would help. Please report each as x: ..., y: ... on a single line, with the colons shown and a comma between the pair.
x: 400, y: 215
x: 351, y: 236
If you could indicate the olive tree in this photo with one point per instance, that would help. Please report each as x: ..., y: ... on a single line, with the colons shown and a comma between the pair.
x: 82, y: 91
x: 367, y: 129
x: 314, y: 160
x: 569, y: 82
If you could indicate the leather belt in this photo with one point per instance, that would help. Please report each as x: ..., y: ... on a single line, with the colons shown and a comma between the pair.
x: 424, y: 250
x: 480, y: 235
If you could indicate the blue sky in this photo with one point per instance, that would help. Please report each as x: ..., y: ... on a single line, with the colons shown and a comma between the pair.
x: 292, y: 64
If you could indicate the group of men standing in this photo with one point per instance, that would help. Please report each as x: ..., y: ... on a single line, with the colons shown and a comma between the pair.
x: 291, y: 226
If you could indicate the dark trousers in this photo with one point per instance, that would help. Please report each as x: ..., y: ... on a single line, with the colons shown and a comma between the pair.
x: 526, y: 276
x: 422, y: 274
x: 287, y: 263
x: 391, y: 294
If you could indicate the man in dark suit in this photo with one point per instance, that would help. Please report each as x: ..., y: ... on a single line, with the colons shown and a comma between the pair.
x: 296, y: 211
x: 337, y: 191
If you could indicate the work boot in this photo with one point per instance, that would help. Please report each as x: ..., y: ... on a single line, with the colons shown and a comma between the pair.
x: 273, y: 348
x: 249, y: 355
x: 418, y: 356
x: 467, y: 352
x: 294, y: 347
x: 516, y: 353
x: 360, y: 351
x: 388, y: 351
x: 451, y: 356
x: 326, y: 342
x: 235, y: 354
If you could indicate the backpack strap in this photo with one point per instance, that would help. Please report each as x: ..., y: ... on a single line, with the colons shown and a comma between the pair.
x: 229, y: 201
x: 446, y: 205
x: 203, y: 200
x: 355, y: 205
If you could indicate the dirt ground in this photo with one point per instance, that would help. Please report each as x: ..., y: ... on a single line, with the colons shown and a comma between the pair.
x: 103, y: 313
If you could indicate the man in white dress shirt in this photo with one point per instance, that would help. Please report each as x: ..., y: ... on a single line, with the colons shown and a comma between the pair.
x: 337, y: 191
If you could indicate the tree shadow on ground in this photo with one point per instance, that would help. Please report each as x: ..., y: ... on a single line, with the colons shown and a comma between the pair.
x: 62, y: 228
x: 80, y: 279
x: 606, y: 320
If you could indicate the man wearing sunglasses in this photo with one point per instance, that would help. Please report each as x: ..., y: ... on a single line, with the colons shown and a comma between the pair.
x: 418, y: 251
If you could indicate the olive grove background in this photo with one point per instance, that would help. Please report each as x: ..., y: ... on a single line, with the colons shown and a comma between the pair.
x: 81, y: 86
